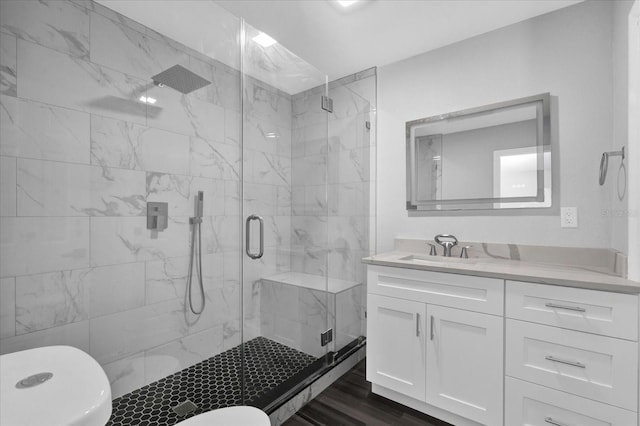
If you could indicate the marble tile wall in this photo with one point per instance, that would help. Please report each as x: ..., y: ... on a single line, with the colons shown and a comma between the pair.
x: 332, y: 230
x: 80, y: 156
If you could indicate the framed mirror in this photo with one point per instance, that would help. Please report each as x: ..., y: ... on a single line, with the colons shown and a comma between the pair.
x: 492, y: 157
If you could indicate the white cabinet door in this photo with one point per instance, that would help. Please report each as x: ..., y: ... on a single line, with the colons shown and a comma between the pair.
x: 465, y: 363
x: 396, y: 344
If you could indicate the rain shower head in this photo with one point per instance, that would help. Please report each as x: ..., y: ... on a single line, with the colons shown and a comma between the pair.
x: 181, y: 79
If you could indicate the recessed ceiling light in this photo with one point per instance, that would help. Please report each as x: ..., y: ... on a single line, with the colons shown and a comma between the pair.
x: 346, y: 3
x: 264, y: 40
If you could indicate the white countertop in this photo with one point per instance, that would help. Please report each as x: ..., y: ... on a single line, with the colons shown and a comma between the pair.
x: 542, y: 273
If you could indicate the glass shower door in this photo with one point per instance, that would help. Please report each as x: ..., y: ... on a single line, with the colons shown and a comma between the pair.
x: 284, y: 213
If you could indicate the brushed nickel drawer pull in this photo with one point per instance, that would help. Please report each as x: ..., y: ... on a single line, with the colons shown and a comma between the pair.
x: 568, y: 308
x: 562, y: 361
x: 431, y: 328
x: 417, y: 325
x: 554, y: 422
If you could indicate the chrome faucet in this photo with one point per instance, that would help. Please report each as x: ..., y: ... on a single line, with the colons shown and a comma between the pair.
x: 452, y: 241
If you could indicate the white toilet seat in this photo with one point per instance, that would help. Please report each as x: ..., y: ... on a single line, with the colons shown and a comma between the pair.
x: 229, y: 416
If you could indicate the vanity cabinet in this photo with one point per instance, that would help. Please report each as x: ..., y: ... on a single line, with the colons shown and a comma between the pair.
x: 422, y: 345
x: 487, y: 351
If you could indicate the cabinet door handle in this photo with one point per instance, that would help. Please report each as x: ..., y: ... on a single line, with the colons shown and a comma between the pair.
x: 567, y: 308
x: 431, y: 328
x: 564, y: 361
x: 417, y: 325
x: 554, y: 422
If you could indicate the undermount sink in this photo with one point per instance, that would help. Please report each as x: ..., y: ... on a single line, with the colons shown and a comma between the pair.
x: 53, y: 385
x: 431, y: 259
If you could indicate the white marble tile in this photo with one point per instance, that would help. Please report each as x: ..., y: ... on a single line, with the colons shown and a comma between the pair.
x: 127, y: 239
x: 185, y: 114
x: 178, y: 355
x: 232, y: 203
x: 224, y: 89
x: 264, y: 102
x: 232, y: 268
x: 311, y: 170
x: 232, y: 126
x: 116, y: 192
x: 75, y: 334
x: 127, y: 50
x: 115, y: 288
x: 7, y: 307
x: 49, y: 300
x: 116, y: 143
x: 343, y: 133
x: 32, y: 245
x: 353, y: 166
x: 348, y: 232
x: 220, y: 234
x: 59, y: 25
x: 260, y: 199
x: 166, y: 279
x: 283, y: 200
x: 125, y: 333
x: 346, y: 103
x: 181, y: 192
x: 8, y: 177
x: 54, y: 78
x: 269, y: 168
x: 266, y: 136
x: 349, y: 199
x: 125, y: 375
x: 215, y: 160
x: 306, y: 110
x: 113, y: 15
x: 48, y: 188
x: 277, y: 231
x: 34, y: 130
x: 8, y: 68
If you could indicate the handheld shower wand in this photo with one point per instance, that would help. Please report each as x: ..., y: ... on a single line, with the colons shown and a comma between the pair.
x: 196, y: 253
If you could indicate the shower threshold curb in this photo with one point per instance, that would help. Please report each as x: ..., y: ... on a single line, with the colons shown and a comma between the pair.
x: 288, y: 408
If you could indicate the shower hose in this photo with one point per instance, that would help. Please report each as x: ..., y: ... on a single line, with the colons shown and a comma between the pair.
x: 195, y: 257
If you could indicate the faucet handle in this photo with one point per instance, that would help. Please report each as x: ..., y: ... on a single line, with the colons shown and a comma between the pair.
x: 432, y: 250
x: 452, y: 239
x: 464, y: 253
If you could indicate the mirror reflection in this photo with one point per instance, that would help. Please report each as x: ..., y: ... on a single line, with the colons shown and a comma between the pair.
x: 493, y: 157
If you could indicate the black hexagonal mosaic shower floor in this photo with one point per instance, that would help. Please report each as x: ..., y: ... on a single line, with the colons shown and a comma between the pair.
x: 210, y: 384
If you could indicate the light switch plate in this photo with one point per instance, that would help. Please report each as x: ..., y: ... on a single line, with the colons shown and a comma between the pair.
x: 569, y: 217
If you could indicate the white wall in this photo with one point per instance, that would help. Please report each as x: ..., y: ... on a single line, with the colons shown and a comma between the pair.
x: 634, y: 142
x: 566, y: 53
x: 618, y: 209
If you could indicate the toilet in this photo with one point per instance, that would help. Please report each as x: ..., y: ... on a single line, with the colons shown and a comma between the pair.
x: 229, y: 416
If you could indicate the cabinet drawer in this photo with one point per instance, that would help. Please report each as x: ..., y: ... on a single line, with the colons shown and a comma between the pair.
x: 595, y: 367
x: 527, y: 404
x: 592, y: 311
x: 478, y: 294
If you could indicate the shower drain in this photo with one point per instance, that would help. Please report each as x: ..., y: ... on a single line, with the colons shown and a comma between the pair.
x: 185, y: 408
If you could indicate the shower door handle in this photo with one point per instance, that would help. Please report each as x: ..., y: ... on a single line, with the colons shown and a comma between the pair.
x: 248, y: 236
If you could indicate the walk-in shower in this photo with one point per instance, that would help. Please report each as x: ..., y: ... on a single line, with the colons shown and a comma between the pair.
x: 181, y: 318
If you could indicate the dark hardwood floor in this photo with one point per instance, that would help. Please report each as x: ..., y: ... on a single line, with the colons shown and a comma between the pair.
x: 349, y: 402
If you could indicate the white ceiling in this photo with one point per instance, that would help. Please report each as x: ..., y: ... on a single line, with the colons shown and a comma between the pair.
x: 378, y: 32
x: 334, y: 40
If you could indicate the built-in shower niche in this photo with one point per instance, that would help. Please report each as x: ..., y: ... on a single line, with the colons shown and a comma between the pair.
x: 293, y: 306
